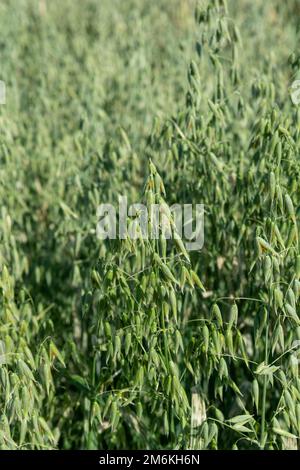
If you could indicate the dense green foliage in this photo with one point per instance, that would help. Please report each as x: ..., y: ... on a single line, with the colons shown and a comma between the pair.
x: 136, y: 343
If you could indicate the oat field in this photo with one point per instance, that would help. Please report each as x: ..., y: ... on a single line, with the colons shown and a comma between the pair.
x: 141, y: 343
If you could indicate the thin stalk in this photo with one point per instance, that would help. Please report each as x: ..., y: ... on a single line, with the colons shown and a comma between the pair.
x: 264, y: 397
x: 265, y: 384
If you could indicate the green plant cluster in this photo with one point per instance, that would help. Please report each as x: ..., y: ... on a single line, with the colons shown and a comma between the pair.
x: 140, y: 344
